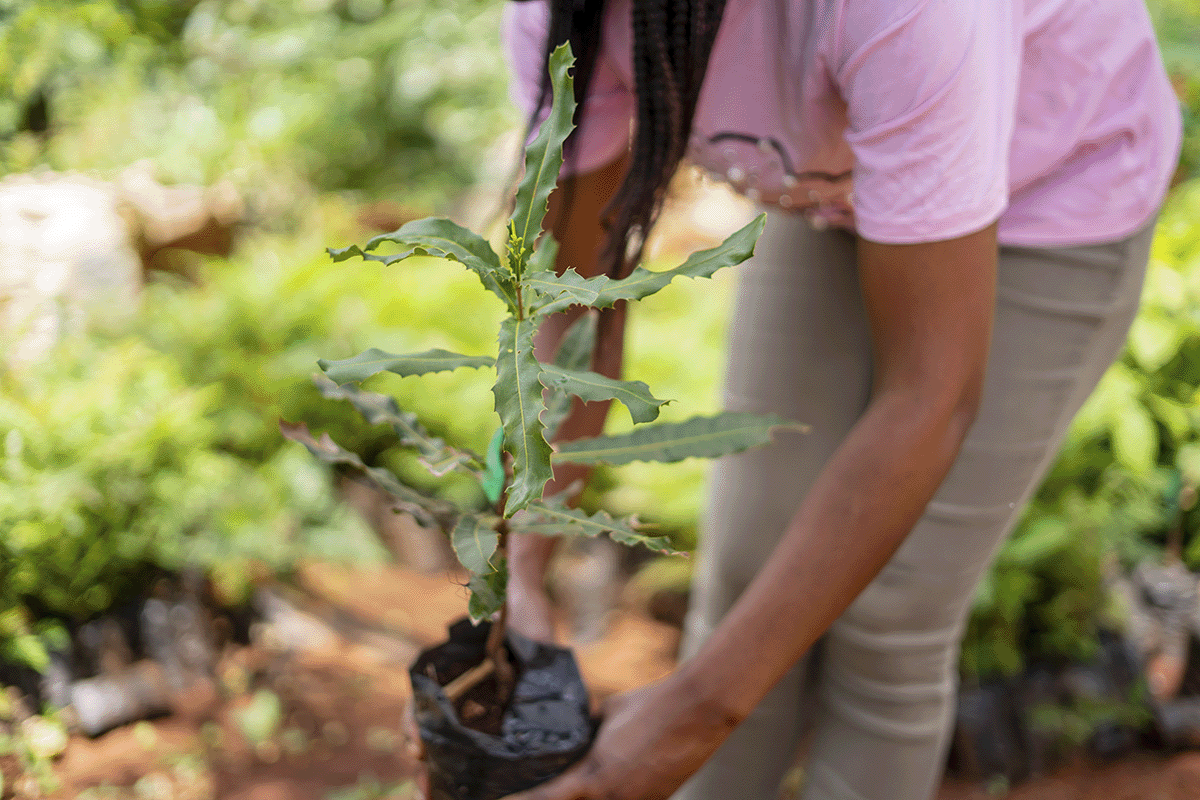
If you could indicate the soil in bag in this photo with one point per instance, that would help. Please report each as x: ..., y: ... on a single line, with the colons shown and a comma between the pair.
x: 544, y: 730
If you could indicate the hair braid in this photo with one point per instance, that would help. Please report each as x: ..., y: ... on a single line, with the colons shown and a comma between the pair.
x: 579, y: 22
x: 672, y: 42
x: 681, y: 41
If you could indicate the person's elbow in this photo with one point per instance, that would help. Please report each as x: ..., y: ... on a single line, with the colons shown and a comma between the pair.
x: 965, y: 407
x: 938, y: 410
x: 952, y: 405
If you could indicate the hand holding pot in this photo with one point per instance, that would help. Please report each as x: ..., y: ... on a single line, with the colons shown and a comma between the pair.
x: 651, y: 741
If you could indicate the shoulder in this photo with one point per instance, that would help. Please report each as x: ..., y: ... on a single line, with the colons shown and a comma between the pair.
x: 524, y: 20
x: 903, y: 55
x: 914, y: 32
x: 930, y: 91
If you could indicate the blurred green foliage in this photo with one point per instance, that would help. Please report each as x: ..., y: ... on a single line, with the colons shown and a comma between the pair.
x: 153, y: 444
x: 114, y: 469
x: 1124, y: 487
x: 256, y: 325
x: 156, y: 445
x: 378, y: 96
x: 1177, y: 23
x: 166, y: 447
x: 46, y: 47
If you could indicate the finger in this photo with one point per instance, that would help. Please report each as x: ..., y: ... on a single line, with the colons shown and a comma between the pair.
x: 614, y: 704
x: 567, y: 786
x: 414, y: 747
x: 610, y: 705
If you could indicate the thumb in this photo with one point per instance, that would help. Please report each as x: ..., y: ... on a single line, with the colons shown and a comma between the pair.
x: 413, y: 745
x: 567, y: 786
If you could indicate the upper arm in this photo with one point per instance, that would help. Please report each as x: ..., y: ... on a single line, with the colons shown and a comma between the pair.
x: 608, y: 108
x: 930, y: 93
x: 930, y: 308
x: 575, y: 219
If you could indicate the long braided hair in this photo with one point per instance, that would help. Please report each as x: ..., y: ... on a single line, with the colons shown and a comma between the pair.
x: 672, y: 42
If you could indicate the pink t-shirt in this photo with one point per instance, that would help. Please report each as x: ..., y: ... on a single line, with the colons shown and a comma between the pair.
x: 912, y: 120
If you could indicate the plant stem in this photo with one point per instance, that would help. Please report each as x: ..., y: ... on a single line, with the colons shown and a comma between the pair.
x: 465, y: 682
x: 506, y: 677
x: 496, y: 654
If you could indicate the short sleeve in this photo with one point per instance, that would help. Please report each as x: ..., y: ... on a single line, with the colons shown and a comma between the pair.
x: 930, y: 90
x: 608, y: 108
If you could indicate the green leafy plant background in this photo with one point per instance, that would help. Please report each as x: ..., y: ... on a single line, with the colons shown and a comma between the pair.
x: 1126, y: 477
x: 310, y: 106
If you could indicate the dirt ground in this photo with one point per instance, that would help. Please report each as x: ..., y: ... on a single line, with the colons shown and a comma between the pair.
x: 335, y: 660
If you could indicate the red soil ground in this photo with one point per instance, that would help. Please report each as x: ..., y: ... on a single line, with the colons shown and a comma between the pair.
x: 342, y: 695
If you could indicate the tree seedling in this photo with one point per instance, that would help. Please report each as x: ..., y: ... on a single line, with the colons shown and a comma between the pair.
x: 531, y: 398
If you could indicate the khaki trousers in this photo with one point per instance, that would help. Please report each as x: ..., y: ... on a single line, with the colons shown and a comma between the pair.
x: 875, y: 698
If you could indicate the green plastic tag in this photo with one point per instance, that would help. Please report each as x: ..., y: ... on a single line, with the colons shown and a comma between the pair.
x: 493, y: 475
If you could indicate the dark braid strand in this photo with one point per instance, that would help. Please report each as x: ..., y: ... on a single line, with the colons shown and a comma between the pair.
x: 672, y: 42
x: 668, y: 77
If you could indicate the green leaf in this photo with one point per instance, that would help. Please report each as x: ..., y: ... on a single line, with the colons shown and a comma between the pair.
x: 261, y: 718
x: 592, y: 386
x: 1135, y: 438
x: 544, y: 256
x: 346, y: 253
x: 441, y: 237
x: 575, y: 349
x: 1173, y: 415
x: 1036, y: 542
x: 1154, y: 339
x: 45, y: 737
x: 698, y: 437
x: 1187, y: 461
x: 475, y: 543
x: 428, y: 511
x: 549, y: 518
x: 27, y: 649
x: 518, y: 393
x: 559, y: 292
x: 574, y: 353
x: 543, y: 160
x: 493, y: 475
x: 379, y: 409
x: 374, y: 361
x: 487, y: 593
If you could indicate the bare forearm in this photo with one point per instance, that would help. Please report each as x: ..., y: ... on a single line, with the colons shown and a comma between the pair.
x: 854, y: 518
x: 930, y: 308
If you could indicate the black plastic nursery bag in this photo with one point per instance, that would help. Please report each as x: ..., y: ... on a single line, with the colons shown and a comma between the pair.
x: 545, y: 729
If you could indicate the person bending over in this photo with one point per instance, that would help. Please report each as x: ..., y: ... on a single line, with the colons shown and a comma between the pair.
x: 962, y: 198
